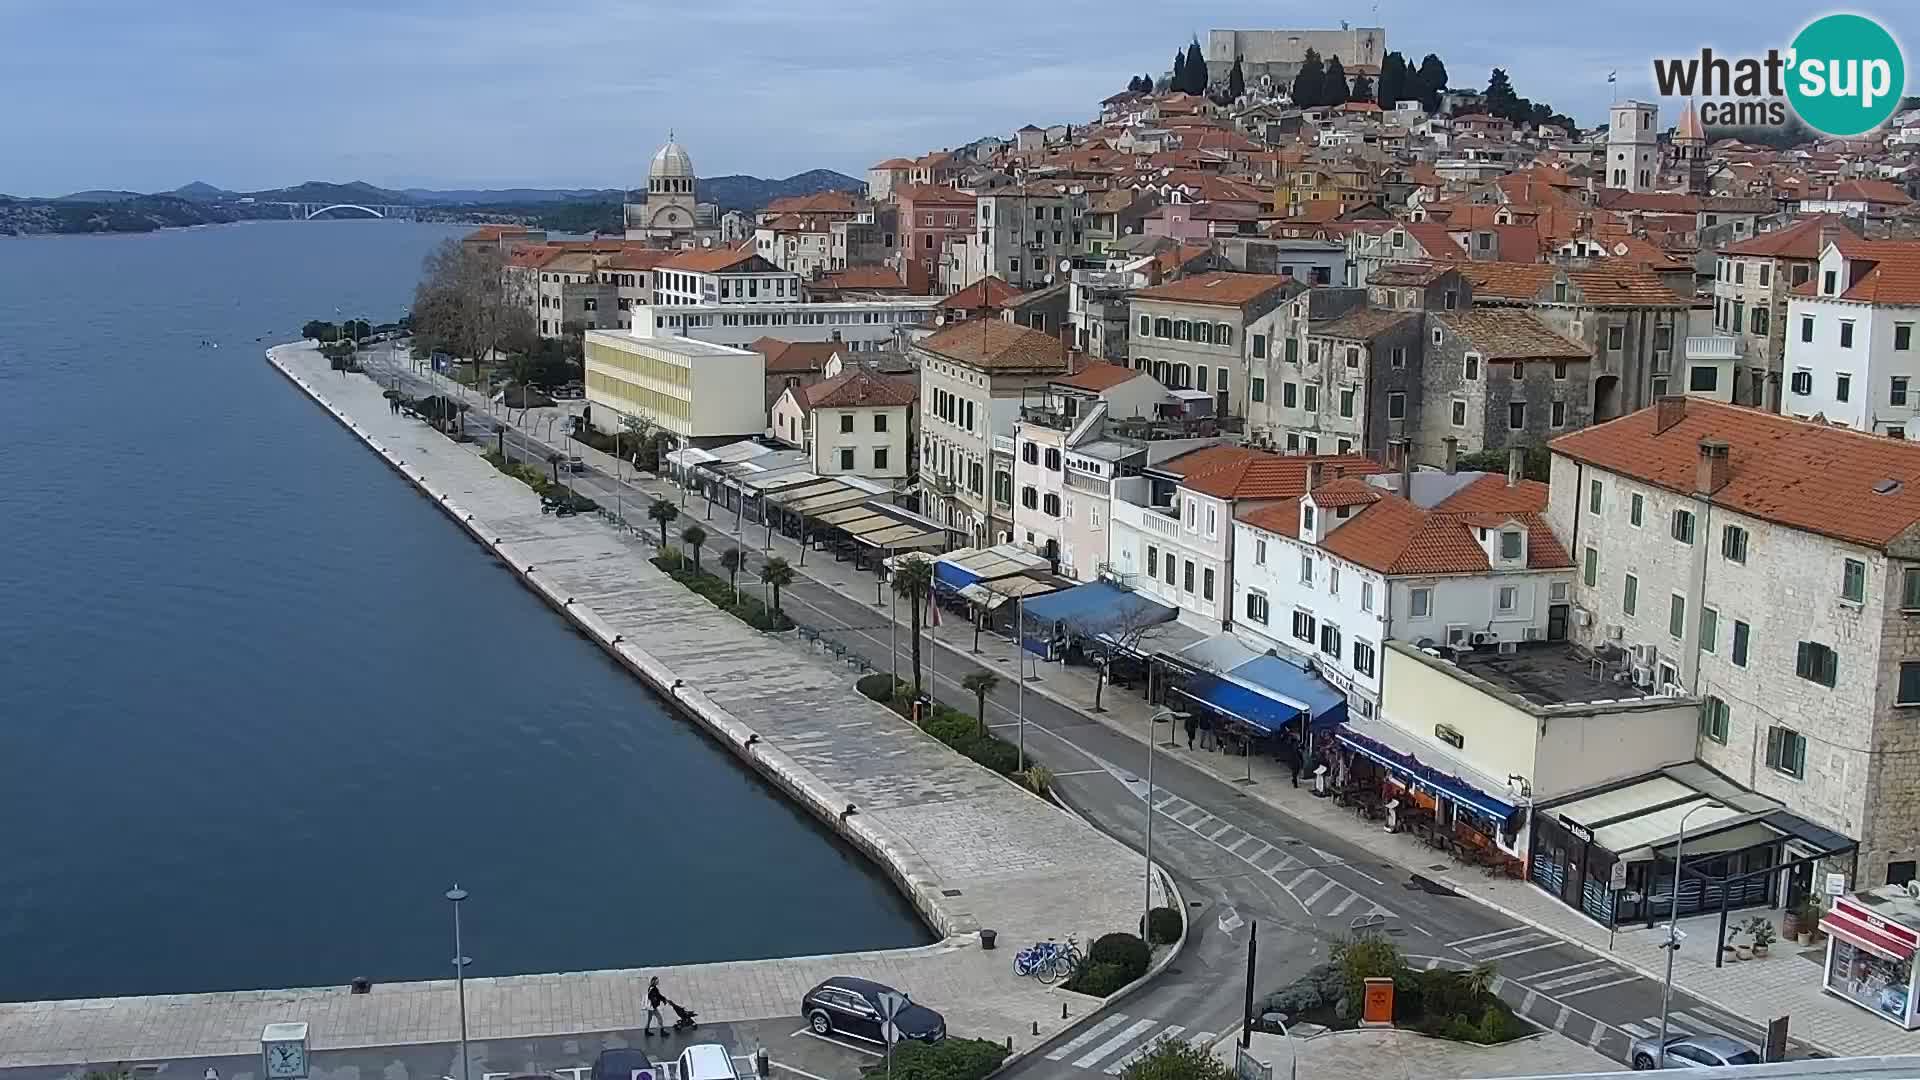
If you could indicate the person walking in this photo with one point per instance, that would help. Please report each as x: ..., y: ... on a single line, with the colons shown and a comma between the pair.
x: 1193, y: 728
x: 654, y: 1000
x: 1290, y: 753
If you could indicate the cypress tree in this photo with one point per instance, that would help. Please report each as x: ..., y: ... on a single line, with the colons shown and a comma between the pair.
x: 1433, y: 82
x: 1333, y: 85
x: 1179, y: 70
x: 1196, y: 69
x: 1306, y: 82
x: 1236, y: 81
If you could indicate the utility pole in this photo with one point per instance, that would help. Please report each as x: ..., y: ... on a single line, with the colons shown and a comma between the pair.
x: 1246, y: 1013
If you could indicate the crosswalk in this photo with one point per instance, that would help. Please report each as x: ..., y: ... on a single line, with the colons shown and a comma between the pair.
x: 1118, y: 1040
x: 1695, y: 1021
x: 1317, y: 892
x: 1504, y: 944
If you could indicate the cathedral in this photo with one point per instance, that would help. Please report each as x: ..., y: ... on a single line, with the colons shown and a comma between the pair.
x: 669, y: 211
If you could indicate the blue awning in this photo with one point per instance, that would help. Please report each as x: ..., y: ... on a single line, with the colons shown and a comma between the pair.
x: 1095, y: 608
x: 1259, y: 711
x: 951, y: 577
x: 1439, y: 773
x: 1283, y: 679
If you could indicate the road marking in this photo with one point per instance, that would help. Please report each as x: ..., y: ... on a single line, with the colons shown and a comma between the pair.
x: 1589, y: 975
x: 791, y: 1069
x: 1526, y: 1003
x: 1265, y: 850
x: 1132, y: 1032
x: 1483, y: 937
x: 1300, y: 877
x: 1479, y: 948
x: 1599, y: 1033
x: 1088, y: 1036
x: 1560, y: 1022
x: 1202, y: 1039
x: 1701, y: 1021
x: 1173, y: 1031
x: 1550, y: 972
x: 1599, y: 986
x: 808, y: 1032
x: 1518, y: 952
x: 1318, y: 893
x: 1286, y: 863
x: 1344, y: 904
x: 1085, y: 772
x: 1236, y: 844
x: 1637, y: 1031
x: 1432, y: 962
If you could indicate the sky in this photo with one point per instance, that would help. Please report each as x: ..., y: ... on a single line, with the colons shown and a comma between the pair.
x: 133, y: 94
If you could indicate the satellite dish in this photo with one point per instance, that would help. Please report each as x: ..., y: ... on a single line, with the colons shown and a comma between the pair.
x: 1620, y: 248
x: 1066, y: 265
x: 940, y: 319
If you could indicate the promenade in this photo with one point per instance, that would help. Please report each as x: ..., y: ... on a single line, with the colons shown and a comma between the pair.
x: 971, y: 850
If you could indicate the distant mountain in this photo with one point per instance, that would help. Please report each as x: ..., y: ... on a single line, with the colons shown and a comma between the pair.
x: 358, y: 191
x: 201, y: 191
x: 752, y: 192
x: 485, y: 196
x: 100, y: 196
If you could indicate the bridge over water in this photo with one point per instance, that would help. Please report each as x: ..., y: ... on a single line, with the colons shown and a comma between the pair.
x: 307, y: 211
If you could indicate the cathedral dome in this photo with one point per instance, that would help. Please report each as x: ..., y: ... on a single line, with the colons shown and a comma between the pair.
x: 671, y: 162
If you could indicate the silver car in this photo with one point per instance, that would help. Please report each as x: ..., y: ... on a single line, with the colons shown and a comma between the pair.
x: 1693, y: 1052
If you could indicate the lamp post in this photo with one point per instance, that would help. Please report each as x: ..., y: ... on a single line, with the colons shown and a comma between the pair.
x: 460, y: 962
x: 1168, y: 715
x: 1673, y: 916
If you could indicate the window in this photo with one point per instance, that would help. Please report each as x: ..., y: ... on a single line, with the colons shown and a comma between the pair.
x: 1802, y: 383
x: 1333, y: 580
x: 1030, y: 453
x: 1787, y: 748
x: 1853, y: 581
x: 1050, y: 505
x: 1192, y: 514
x: 1709, y: 629
x: 1703, y: 379
x: 1202, y: 385
x: 1363, y: 658
x: 1897, y: 390
x: 1186, y: 576
x: 1330, y: 639
x: 1630, y: 597
x: 1733, y: 544
x: 1902, y: 336
x: 1590, y: 572
x: 1910, y: 589
x: 1258, y: 392
x: 1766, y: 269
x: 1310, y: 397
x: 846, y: 423
x: 1172, y: 564
x: 1053, y: 459
x: 1153, y: 562
x: 1366, y: 596
x: 1030, y: 497
x: 1259, y: 553
x: 1396, y: 406
x: 1257, y: 608
x: 1306, y: 519
x: 1683, y: 526
x: 1473, y: 365
x: 1713, y: 720
x: 1828, y: 279
x: 1288, y: 396
x: 1842, y: 386
x: 1303, y: 626
x: 1759, y: 321
x: 1677, y: 617
x: 1509, y: 599
x: 1742, y: 638
x: 1459, y: 413
x: 1259, y: 346
x: 1517, y: 415
x: 1399, y: 356
x: 1815, y: 662
x: 1510, y: 544
x: 1146, y: 326
x: 1419, y: 603
x: 1909, y: 692
x: 1222, y: 334
x: 1346, y: 401
x: 1616, y: 338
x: 1213, y: 521
x: 1519, y: 371
x: 1636, y: 508
x: 1206, y: 584
x: 1846, y: 333
x: 1291, y: 348
x: 1806, y: 328
x: 1306, y: 568
x: 846, y: 457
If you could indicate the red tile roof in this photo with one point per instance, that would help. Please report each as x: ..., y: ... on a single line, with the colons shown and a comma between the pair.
x: 996, y: 345
x: 860, y: 277
x: 861, y: 388
x: 1258, y: 475
x: 1100, y: 375
x: 1871, y: 191
x: 1492, y: 494
x: 791, y: 357
x: 1218, y: 288
x: 988, y: 292
x: 1892, y: 275
x: 1800, y: 240
x: 1510, y: 334
x: 709, y: 261
x: 1804, y: 475
x: 1604, y: 285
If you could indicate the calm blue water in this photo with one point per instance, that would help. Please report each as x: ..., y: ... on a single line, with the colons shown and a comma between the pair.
x: 260, y: 704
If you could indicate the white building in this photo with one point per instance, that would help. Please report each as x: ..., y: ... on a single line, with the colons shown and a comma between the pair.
x: 698, y: 392
x: 864, y: 325
x: 1468, y: 562
x: 670, y: 210
x: 1851, y: 357
x: 730, y: 276
x: 857, y: 422
x: 1769, y: 566
x: 1633, y: 146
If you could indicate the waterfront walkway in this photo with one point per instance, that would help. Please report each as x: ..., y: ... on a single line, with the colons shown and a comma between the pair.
x: 971, y: 850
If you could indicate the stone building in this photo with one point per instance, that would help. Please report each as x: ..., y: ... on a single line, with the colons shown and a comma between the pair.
x: 670, y: 209
x: 1496, y: 379
x: 1277, y: 54
x: 1190, y: 333
x: 1752, y: 280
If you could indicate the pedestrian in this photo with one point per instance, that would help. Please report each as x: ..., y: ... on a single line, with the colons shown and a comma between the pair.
x: 1290, y: 754
x: 654, y: 1000
x: 1193, y: 727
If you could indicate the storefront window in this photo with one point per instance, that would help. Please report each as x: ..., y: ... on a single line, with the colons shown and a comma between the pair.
x: 1871, y: 980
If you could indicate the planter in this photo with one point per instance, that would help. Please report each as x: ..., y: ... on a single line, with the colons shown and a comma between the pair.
x: 1790, y: 925
x: 1805, y: 937
x: 1727, y: 952
x: 1743, y: 952
x: 1759, y: 952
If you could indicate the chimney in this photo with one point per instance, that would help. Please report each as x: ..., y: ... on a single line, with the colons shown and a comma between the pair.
x: 1066, y: 345
x: 1668, y: 411
x: 1313, y: 475
x: 1405, y: 450
x: 1714, y: 468
x: 1829, y: 234
x: 1516, y: 464
x: 1453, y: 453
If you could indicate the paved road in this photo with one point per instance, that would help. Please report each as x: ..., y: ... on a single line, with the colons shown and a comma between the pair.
x: 1238, y: 861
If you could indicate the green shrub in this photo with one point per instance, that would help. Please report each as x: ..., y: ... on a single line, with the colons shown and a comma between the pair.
x: 879, y: 687
x: 962, y: 732
x: 1163, y: 925
x: 1368, y: 956
x: 1126, y: 950
x: 1037, y: 778
x: 948, y: 1059
x: 1177, y: 1059
x: 748, y: 609
x: 1098, y: 980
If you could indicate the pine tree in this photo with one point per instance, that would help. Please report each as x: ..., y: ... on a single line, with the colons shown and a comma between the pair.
x: 1362, y: 89
x: 1306, y: 81
x: 1393, y: 80
x: 1500, y: 99
x: 1196, y: 69
x: 1179, y: 82
x: 1333, y: 86
x: 1433, y: 82
x: 1147, y: 83
x: 1236, y: 81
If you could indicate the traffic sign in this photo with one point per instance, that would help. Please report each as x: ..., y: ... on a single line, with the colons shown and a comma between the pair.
x: 1617, y: 877
x: 892, y: 1003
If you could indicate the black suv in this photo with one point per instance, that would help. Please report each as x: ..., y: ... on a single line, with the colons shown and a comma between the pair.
x: 849, y: 1006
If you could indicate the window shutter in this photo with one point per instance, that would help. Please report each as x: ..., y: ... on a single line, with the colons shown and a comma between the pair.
x: 1800, y: 665
x: 1773, y: 744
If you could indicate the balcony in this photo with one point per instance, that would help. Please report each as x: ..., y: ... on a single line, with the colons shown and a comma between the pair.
x: 1713, y: 347
x: 1153, y: 520
x: 1056, y: 419
x: 1003, y: 444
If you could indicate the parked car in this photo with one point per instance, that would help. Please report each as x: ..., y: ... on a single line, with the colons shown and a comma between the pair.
x: 847, y: 1006
x: 621, y: 1064
x: 1693, y: 1052
x: 573, y: 464
x: 706, y: 1061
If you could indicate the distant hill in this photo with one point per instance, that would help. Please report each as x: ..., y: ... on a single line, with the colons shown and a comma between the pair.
x: 201, y: 191
x: 99, y: 196
x: 752, y: 192
x: 486, y: 196
x: 357, y: 191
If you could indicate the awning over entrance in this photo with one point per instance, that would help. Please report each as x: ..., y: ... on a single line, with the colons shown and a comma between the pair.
x: 992, y: 594
x: 1263, y: 713
x: 1417, y: 763
x: 1291, y: 690
x: 1842, y: 922
x: 1096, y: 608
x: 968, y: 566
x: 1279, y: 677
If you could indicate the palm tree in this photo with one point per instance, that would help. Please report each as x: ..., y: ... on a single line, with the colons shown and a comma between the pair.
x: 555, y: 460
x: 980, y: 684
x: 913, y: 580
x: 694, y: 535
x: 663, y: 511
x: 777, y: 573
x: 731, y: 560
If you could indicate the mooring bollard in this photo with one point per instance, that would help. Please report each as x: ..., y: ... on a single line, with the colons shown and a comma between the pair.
x: 760, y: 1064
x: 1036, y: 1027
x: 1009, y: 1044
x: 1063, y: 1010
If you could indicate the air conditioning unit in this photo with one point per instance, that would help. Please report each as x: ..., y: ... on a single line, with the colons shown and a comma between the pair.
x: 1642, y: 676
x: 1457, y: 635
x: 1645, y: 655
x: 1582, y: 617
x: 1615, y: 631
x: 1482, y: 637
x: 1533, y: 633
x: 1671, y: 689
x: 1508, y: 648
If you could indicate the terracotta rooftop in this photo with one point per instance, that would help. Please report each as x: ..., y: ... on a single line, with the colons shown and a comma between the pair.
x: 1851, y: 486
x: 893, y: 163
x: 1615, y: 285
x: 1492, y: 494
x: 860, y: 277
x: 1417, y: 274
x: 1508, y: 334
x: 1099, y: 376
x: 861, y: 388
x: 710, y: 261
x: 1871, y: 191
x: 497, y: 232
x: 988, y: 292
x: 791, y: 357
x: 933, y: 195
x: 1259, y: 475
x: 995, y: 345
x: 1892, y: 275
x: 1800, y: 240
x: 1393, y: 536
x: 1218, y: 288
x: 1362, y: 324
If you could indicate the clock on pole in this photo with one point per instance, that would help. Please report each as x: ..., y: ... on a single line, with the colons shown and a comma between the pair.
x: 283, y: 1051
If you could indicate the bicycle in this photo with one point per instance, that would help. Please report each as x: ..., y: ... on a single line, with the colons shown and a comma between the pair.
x: 1036, y: 960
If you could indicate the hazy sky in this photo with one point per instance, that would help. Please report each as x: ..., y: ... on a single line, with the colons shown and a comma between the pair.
x: 457, y: 93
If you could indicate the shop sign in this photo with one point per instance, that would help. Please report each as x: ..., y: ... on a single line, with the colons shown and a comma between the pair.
x: 1580, y: 832
x: 1617, y: 877
x: 1836, y: 884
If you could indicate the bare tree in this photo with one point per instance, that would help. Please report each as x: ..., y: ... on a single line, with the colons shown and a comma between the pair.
x: 1128, y: 630
x: 466, y: 306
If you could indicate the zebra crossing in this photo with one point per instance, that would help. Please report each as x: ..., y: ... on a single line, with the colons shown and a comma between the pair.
x: 1504, y: 944
x: 1118, y: 1040
x: 1695, y: 1021
x: 1317, y: 892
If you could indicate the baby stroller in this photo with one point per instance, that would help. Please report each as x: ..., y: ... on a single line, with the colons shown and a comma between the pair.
x: 685, y: 1016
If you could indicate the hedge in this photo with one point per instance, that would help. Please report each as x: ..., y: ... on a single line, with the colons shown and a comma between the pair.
x: 536, y: 478
x: 748, y: 608
x: 1163, y: 925
x: 1113, y: 961
x: 948, y: 1059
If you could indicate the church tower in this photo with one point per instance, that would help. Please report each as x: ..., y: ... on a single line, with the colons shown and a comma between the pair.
x: 1690, y: 151
x: 668, y: 211
x: 1633, y: 147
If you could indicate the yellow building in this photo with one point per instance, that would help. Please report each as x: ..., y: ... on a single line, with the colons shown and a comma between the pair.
x: 697, y: 391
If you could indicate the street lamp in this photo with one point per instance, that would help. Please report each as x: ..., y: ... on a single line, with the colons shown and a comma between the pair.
x: 1673, y: 916
x: 1168, y: 715
x: 460, y: 962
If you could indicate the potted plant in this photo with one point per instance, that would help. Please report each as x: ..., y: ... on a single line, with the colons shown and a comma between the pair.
x: 1809, y: 922
x: 1760, y: 931
x: 1790, y: 923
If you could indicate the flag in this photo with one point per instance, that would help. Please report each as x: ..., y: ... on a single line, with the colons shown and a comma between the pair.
x: 1613, y: 76
x: 933, y: 611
